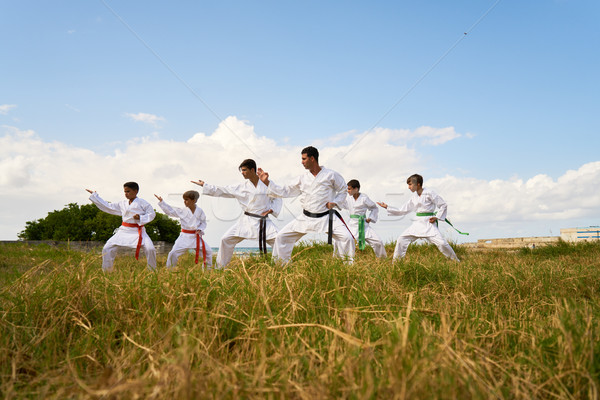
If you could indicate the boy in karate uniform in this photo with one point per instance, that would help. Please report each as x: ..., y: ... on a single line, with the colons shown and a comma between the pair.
x: 423, y: 203
x: 358, y: 204
x: 136, y: 213
x: 254, y: 224
x: 193, y: 224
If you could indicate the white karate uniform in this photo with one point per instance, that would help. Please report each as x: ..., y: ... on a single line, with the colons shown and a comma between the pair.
x: 360, y: 206
x: 252, y: 199
x: 126, y: 236
x: 190, y: 221
x: 421, y: 228
x: 315, y: 191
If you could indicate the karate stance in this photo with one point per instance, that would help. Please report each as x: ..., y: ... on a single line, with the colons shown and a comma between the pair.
x: 254, y: 224
x: 423, y: 202
x: 321, y: 189
x: 193, y: 223
x: 358, y: 204
x: 136, y: 213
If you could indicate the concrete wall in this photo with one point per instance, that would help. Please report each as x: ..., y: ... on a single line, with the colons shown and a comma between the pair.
x: 591, y: 233
x: 513, y: 243
x: 161, y: 247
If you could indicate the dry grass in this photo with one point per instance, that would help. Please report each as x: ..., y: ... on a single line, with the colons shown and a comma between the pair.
x: 498, y: 325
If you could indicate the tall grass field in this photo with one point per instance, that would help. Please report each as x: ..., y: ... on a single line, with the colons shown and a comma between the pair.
x: 498, y: 325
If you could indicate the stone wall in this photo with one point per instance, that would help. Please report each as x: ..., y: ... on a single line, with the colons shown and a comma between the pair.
x: 161, y: 247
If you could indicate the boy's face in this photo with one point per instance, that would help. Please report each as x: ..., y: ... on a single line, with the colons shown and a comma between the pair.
x: 189, y: 202
x: 130, y: 194
x: 413, y: 186
x: 247, y: 173
x: 352, y: 190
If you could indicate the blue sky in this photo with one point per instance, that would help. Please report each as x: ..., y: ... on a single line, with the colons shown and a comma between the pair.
x: 519, y: 91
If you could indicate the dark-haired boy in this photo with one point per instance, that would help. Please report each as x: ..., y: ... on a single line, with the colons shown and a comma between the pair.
x: 358, y: 204
x: 136, y: 213
x: 423, y: 203
x: 254, y: 224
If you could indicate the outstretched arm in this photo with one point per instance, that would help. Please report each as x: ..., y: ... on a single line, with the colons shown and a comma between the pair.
x: 198, y: 182
x: 382, y: 204
x: 158, y: 197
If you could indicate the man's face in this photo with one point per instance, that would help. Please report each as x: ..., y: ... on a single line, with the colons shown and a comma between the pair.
x: 130, y: 194
x: 247, y: 173
x: 307, y: 162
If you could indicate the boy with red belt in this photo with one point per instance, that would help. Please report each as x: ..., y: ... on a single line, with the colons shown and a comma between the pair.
x: 136, y: 213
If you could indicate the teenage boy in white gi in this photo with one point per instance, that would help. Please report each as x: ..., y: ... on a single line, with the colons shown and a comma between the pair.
x: 423, y: 203
x: 254, y: 224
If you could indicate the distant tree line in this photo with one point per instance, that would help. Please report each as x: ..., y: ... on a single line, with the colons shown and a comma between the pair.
x: 87, y: 222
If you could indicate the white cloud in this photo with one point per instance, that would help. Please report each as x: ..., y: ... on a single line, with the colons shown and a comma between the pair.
x: 5, y: 108
x: 38, y: 176
x: 151, y: 119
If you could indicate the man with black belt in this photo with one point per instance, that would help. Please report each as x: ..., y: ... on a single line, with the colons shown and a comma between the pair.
x: 254, y: 224
x: 321, y: 190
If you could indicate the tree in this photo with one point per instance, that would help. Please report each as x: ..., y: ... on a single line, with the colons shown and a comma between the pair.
x: 87, y: 222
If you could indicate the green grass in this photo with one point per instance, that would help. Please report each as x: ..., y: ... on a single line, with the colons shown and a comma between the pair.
x: 508, y: 325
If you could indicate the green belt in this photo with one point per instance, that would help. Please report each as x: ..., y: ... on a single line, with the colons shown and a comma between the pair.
x: 432, y: 214
x: 361, y: 230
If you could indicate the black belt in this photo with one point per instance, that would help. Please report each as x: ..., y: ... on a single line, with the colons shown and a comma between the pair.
x: 262, y: 231
x: 331, y: 213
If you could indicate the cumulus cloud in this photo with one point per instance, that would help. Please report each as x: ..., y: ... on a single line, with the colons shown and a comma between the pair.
x: 150, y: 119
x: 38, y: 176
x: 5, y: 108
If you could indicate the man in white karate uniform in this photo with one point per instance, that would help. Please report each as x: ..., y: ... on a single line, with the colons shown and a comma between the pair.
x: 321, y: 189
x: 254, y: 224
x: 136, y: 213
x: 193, y: 223
x: 423, y: 203
x: 360, y: 223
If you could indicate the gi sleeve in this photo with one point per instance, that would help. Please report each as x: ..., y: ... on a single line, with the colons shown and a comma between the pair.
x: 201, y: 221
x: 340, y: 189
x: 148, y: 214
x: 373, y: 209
x: 170, y: 211
x: 103, y: 205
x: 442, y: 207
x: 220, y: 191
x: 275, y: 204
x: 292, y: 190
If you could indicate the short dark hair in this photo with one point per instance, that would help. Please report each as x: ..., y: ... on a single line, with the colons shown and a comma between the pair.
x: 311, y: 152
x: 354, y: 183
x: 192, y: 195
x: 415, y: 178
x: 248, y: 163
x: 132, y: 185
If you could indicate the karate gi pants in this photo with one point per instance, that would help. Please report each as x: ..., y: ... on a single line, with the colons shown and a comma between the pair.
x: 178, y: 250
x: 343, y: 242
x: 405, y: 240
x: 109, y: 252
x: 227, y: 247
x: 377, y: 245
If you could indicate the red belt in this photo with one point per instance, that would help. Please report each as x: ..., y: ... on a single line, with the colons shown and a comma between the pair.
x: 198, y: 239
x: 139, y: 244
